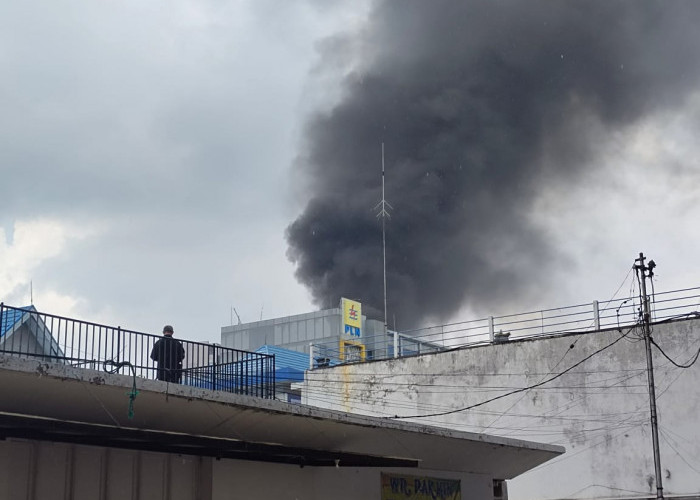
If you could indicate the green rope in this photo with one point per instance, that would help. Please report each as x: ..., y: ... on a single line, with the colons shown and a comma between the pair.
x: 132, y: 396
x: 116, y: 366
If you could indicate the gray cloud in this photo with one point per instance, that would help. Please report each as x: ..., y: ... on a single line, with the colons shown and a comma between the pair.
x: 482, y: 106
x: 170, y: 131
x: 167, y: 134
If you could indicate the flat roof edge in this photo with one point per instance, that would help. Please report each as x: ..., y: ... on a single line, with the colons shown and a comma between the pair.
x: 63, y: 372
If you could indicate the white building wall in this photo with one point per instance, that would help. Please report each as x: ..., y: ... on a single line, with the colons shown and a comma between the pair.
x: 599, y: 410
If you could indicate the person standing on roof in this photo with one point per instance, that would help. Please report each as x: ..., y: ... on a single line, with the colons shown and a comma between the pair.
x: 168, y: 353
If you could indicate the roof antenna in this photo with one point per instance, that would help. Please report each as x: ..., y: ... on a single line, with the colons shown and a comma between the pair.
x: 261, y: 310
x: 233, y: 310
x: 31, y: 293
x: 384, y: 214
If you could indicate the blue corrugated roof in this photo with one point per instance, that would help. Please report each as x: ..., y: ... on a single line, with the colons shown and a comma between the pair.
x: 289, y: 365
x: 10, y: 317
x: 286, y: 358
x: 246, y: 374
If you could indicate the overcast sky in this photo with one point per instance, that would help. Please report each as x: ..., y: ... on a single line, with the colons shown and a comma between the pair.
x: 153, y: 157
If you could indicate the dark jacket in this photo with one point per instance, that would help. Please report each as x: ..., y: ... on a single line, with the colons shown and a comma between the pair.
x: 168, y: 353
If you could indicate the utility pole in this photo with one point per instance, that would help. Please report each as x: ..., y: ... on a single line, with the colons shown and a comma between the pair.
x: 644, y: 272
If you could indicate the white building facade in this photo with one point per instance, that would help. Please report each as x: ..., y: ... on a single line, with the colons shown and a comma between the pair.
x: 598, y: 408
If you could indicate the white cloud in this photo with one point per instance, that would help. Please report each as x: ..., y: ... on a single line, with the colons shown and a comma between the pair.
x: 31, y: 244
x: 640, y: 196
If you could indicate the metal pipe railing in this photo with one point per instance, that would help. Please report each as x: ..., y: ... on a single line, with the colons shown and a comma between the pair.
x: 591, y: 316
x: 27, y: 333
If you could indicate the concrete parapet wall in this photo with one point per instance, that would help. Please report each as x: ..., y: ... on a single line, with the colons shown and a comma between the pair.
x: 599, y: 410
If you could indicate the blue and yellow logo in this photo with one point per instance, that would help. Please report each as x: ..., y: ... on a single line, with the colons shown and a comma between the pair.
x: 352, y: 317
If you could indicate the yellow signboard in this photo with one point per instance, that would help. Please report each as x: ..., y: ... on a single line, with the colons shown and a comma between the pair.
x: 351, y: 351
x: 400, y: 487
x: 352, y: 317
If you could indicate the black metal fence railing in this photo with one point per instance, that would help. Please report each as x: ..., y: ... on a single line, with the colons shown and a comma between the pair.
x: 28, y: 333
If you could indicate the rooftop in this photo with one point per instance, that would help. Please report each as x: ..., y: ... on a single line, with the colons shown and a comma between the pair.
x: 62, y: 403
x: 12, y: 317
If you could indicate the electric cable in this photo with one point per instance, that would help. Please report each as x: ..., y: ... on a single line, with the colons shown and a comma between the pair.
x: 668, y: 442
x: 567, y: 456
x: 540, y: 431
x: 572, y: 495
x: 537, y: 430
x: 318, y: 394
x: 688, y: 365
x: 596, y: 352
x: 364, y: 375
x: 363, y: 396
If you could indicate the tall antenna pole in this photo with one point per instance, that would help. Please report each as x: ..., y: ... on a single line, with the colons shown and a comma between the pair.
x: 650, y: 365
x: 384, y: 214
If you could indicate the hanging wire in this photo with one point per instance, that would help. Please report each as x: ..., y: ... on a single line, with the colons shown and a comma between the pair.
x: 687, y: 365
x: 115, y: 367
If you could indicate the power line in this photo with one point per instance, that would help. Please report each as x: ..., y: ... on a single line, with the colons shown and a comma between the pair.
x: 688, y: 365
x: 668, y: 442
x: 611, y: 488
x: 524, y: 388
x: 571, y: 346
x: 535, y: 430
x: 364, y: 375
x: 624, y: 423
x: 568, y: 456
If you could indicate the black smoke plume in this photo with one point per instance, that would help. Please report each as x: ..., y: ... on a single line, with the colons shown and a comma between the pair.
x: 482, y: 105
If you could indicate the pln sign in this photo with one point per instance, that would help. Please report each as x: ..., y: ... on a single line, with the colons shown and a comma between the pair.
x: 352, y: 317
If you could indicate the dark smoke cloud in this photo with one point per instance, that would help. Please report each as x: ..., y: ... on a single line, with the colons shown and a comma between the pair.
x: 481, y: 105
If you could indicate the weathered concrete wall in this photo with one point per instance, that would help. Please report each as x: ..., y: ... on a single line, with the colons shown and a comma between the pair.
x: 37, y: 470
x: 41, y: 470
x: 599, y: 410
x: 235, y: 480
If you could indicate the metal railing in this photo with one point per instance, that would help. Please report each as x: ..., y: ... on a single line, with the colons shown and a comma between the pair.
x: 27, y: 333
x: 494, y: 329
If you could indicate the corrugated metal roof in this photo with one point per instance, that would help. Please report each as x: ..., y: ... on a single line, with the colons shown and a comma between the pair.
x: 289, y: 367
x: 286, y: 357
x: 10, y: 317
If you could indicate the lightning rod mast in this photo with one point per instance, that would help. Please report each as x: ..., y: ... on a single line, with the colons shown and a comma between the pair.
x: 384, y: 214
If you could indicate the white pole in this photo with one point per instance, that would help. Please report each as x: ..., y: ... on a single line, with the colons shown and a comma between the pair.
x: 596, y: 315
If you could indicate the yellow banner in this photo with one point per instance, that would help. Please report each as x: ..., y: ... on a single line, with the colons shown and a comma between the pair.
x: 400, y: 487
x: 352, y: 317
